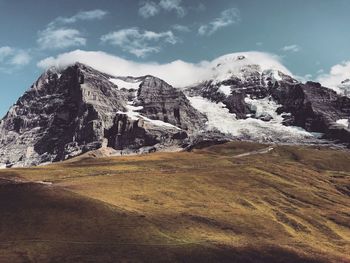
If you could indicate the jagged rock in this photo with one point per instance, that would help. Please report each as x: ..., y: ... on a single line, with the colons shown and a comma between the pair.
x: 68, y: 112
x: 265, y: 117
x: 313, y: 107
x: 160, y: 101
x: 206, y: 139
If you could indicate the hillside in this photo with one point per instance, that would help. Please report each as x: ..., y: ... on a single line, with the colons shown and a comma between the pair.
x: 217, y: 204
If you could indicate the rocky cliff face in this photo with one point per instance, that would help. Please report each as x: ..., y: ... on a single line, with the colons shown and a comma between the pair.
x: 79, y: 109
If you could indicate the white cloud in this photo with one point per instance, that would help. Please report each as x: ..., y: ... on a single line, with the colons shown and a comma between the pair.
x: 5, y: 52
x: 60, y: 38
x: 20, y: 58
x: 96, y: 14
x: 291, y: 48
x: 148, y: 9
x: 181, y: 28
x: 138, y: 42
x: 12, y: 58
x: 336, y: 75
x: 228, y: 17
x: 178, y: 73
x: 57, y: 35
x: 173, y: 5
x: 151, y: 8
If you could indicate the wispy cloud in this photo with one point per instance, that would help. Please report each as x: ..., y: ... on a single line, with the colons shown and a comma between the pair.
x: 181, y: 28
x: 60, y: 38
x: 60, y: 33
x: 20, y: 58
x: 227, y: 18
x: 139, y: 42
x: 173, y: 5
x: 12, y: 58
x: 150, y: 8
x: 5, y: 52
x: 291, y: 48
x: 96, y: 14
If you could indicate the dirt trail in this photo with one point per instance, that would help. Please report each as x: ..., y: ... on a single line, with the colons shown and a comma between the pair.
x: 21, y: 181
x: 262, y: 151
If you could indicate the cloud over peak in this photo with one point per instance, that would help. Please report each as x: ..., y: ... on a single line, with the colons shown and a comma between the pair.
x: 337, y: 74
x: 177, y: 73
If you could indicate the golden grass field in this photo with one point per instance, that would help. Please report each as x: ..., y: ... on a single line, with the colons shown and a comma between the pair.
x: 291, y: 204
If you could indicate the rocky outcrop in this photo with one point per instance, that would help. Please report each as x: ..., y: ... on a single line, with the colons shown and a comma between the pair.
x: 160, y: 101
x: 314, y: 108
x: 78, y: 109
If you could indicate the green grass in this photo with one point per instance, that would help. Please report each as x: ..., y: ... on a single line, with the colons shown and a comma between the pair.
x: 288, y: 205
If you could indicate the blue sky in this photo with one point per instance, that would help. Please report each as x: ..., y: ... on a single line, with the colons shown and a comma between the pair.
x: 309, y: 36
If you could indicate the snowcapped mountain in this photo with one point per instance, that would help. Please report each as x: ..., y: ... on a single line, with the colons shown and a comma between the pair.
x: 73, y: 109
x: 263, y: 103
x: 245, y: 65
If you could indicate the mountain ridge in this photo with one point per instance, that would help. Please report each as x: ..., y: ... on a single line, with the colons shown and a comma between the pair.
x: 70, y: 111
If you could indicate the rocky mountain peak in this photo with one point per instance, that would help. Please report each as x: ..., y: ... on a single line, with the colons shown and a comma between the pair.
x: 77, y: 109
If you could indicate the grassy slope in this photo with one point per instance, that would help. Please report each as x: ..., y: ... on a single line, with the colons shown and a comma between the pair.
x: 288, y: 205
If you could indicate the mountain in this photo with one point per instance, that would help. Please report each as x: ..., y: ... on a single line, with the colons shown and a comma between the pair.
x: 269, y: 105
x: 77, y: 109
x: 66, y: 113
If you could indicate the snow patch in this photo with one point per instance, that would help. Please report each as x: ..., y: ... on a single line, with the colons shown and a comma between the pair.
x: 225, y: 90
x: 133, y: 114
x: 343, y: 122
x: 44, y: 182
x: 272, y: 75
x: 125, y: 84
x: 263, y: 107
x: 219, y: 118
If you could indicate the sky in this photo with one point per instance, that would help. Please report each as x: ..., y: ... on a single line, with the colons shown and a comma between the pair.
x: 310, y: 37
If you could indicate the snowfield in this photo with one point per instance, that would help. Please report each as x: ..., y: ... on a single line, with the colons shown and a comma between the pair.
x: 263, y: 107
x: 219, y: 118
